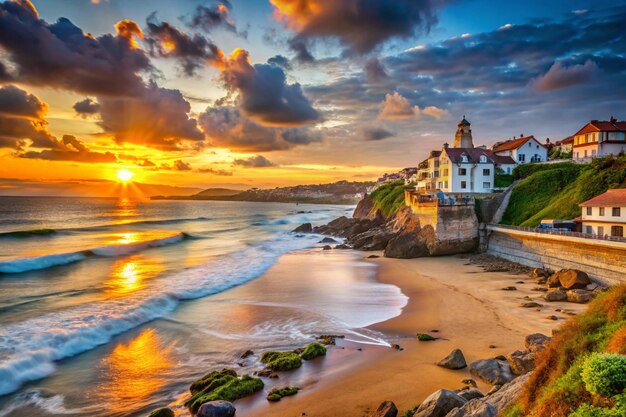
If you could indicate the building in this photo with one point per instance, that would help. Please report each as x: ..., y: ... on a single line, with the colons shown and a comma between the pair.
x: 522, y: 150
x: 600, y: 138
x: 565, y: 145
x: 605, y: 214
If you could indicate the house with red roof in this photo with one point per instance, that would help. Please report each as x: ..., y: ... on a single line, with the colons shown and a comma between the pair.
x: 523, y: 149
x: 600, y: 138
x: 605, y: 214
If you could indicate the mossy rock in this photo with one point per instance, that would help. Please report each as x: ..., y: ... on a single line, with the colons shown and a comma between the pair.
x: 162, y: 412
x: 425, y: 337
x: 313, y: 350
x: 277, y: 393
x: 210, y: 379
x: 281, y: 361
x: 224, y: 386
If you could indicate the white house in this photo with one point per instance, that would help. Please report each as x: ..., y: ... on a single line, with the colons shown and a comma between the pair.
x: 605, y: 214
x: 600, y: 138
x: 522, y: 150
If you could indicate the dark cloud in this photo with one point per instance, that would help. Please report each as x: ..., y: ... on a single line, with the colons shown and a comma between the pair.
x: 18, y: 103
x: 264, y: 94
x: 193, y: 51
x: 374, y: 71
x: 61, y: 55
x: 4, y: 73
x: 217, y: 15
x: 560, y: 76
x: 280, y: 61
x: 142, y: 162
x: 178, y: 165
x: 214, y: 171
x: 360, y: 25
x: 87, y: 107
x: 376, y: 133
x: 300, y: 47
x: 70, y: 149
x: 258, y: 161
x: 227, y: 127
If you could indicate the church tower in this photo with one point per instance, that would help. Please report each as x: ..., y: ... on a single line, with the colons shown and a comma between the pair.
x: 463, y: 137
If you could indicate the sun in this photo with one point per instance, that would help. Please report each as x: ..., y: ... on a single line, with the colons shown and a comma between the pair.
x: 124, y: 175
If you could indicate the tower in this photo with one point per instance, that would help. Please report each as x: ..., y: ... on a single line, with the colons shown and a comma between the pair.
x: 463, y: 136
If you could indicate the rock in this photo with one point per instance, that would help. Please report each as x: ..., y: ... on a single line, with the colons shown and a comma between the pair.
x: 542, y: 289
x: 519, y: 282
x: 553, y: 281
x: 303, y: 228
x: 406, y: 246
x: 385, y: 409
x: 475, y: 408
x: 494, y: 389
x: 521, y: 362
x: 396, y: 347
x: 500, y: 357
x: 328, y: 240
x: 342, y: 246
x: 329, y: 339
x: 216, y: 409
x: 455, y: 360
x: 162, y: 412
x: 439, y: 403
x: 539, y: 273
x: 246, y: 354
x: 557, y: 295
x: 536, y: 342
x: 492, y: 346
x: 327, y: 247
x: 509, y: 289
x: 373, y: 257
x: 555, y: 318
x: 425, y: 337
x: 531, y: 304
x: 492, y: 371
x: 470, y: 394
x: 580, y: 296
x: 571, y: 279
x: 470, y: 382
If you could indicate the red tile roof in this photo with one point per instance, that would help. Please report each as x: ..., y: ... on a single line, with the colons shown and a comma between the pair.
x: 509, y: 145
x: 616, y: 198
x: 603, y: 126
x: 566, y: 141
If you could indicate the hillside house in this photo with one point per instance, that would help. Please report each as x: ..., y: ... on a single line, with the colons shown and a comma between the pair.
x: 523, y: 150
x: 605, y: 214
x: 600, y: 138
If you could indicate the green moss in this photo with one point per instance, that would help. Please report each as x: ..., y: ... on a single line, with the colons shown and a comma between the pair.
x: 410, y: 412
x: 213, y: 379
x: 231, y: 390
x: 424, y: 337
x: 162, y: 412
x: 388, y: 198
x: 277, y: 393
x: 313, y: 350
x: 605, y: 374
x: 281, y: 361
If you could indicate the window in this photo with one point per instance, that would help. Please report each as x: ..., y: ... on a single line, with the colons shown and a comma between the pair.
x: 589, y: 230
x: 462, y: 171
x: 593, y: 153
x: 483, y: 158
x: 486, y: 172
x: 445, y: 184
x: 508, y: 170
x: 585, y: 153
x: 601, y: 230
x: 521, y: 157
x: 616, y: 212
x: 530, y: 144
x: 589, y: 211
x: 445, y: 172
x: 486, y: 185
x: 463, y: 184
x: 601, y: 211
x: 617, y: 231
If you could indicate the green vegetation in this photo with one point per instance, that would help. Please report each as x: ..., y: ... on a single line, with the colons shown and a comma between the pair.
x: 29, y: 233
x: 424, y: 337
x: 574, y: 376
x: 388, y: 198
x: 281, y: 361
x: 162, y: 412
x: 410, y: 412
x: 222, y: 385
x: 277, y: 393
x: 553, y: 191
x: 502, y: 180
x: 313, y: 350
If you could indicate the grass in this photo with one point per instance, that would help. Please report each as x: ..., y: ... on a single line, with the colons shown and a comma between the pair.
x: 553, y: 191
x: 313, y: 350
x: 388, y: 198
x: 502, y: 180
x: 221, y: 385
x: 281, y: 361
x: 556, y: 388
x: 277, y: 394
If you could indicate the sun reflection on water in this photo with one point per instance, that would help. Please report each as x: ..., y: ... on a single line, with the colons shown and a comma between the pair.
x: 130, y: 275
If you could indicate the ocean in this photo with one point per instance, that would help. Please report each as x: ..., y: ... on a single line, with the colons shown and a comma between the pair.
x: 113, y: 307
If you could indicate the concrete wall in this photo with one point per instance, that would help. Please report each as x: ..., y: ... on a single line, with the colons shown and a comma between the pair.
x: 604, y: 261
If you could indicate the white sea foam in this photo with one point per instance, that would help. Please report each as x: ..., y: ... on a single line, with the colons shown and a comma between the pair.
x: 51, y: 404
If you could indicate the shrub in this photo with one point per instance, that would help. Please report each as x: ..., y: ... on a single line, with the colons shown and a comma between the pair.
x: 277, y: 393
x: 388, y: 198
x: 313, y: 350
x: 162, y: 412
x: 588, y: 410
x: 502, y: 180
x: 281, y: 361
x: 605, y: 374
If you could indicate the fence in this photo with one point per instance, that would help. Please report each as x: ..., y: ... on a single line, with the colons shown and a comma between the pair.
x: 561, y: 233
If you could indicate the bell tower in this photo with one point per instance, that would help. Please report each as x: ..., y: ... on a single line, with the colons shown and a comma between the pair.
x: 463, y: 136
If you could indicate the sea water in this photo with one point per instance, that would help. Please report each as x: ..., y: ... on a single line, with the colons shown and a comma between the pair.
x: 112, y: 307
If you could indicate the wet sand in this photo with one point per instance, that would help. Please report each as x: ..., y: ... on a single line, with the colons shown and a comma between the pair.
x: 465, y: 304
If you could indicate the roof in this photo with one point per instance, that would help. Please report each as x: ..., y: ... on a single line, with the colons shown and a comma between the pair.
x: 464, y: 122
x: 474, y: 154
x: 603, y: 126
x: 509, y: 145
x: 566, y: 141
x: 435, y: 154
x: 615, y: 197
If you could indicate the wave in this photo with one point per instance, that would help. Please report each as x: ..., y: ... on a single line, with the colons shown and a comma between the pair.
x: 50, y: 403
x: 28, y: 233
x: 35, y: 263
x: 30, y: 349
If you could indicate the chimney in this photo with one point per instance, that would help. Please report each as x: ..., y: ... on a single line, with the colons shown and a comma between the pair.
x: 547, y: 140
x: 613, y: 119
x: 521, y: 135
x: 445, y: 145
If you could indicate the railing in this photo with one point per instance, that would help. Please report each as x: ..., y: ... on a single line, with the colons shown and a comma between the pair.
x: 562, y: 233
x: 415, y: 198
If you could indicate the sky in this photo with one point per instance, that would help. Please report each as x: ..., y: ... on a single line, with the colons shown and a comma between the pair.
x: 266, y: 93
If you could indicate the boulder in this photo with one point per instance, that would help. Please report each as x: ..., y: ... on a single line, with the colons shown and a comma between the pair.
x: 531, y: 304
x: 572, y: 279
x: 342, y: 246
x: 385, y: 409
x: 553, y: 281
x: 474, y: 408
x: 373, y: 239
x: 521, y: 362
x: 327, y: 247
x: 439, y: 403
x: 216, y: 409
x: 470, y: 394
x: 580, y: 296
x: 162, y: 412
x: 556, y: 295
x: 539, y: 273
x: 455, y: 360
x: 406, y: 246
x: 303, y: 228
x: 536, y: 342
x: 328, y: 240
x: 492, y: 371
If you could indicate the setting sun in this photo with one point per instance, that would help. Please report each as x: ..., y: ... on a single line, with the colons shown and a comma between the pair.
x: 124, y: 175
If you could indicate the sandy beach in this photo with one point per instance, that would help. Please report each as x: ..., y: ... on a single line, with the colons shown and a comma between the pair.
x: 466, y: 306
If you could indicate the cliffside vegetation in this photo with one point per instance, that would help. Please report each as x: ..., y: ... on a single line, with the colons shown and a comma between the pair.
x: 582, y: 373
x: 388, y: 198
x: 553, y: 191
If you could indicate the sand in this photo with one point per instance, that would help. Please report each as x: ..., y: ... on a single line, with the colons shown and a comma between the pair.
x: 468, y: 308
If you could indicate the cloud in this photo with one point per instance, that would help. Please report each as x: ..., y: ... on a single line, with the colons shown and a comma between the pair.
x: 374, y: 71
x: 70, y: 149
x: 87, y: 107
x: 376, y: 133
x: 258, y: 161
x: 435, y: 112
x: 396, y: 107
x: 280, y: 61
x: 18, y: 103
x: 129, y: 30
x: 193, y: 51
x: 300, y: 47
x: 61, y: 55
x: 227, y: 127
x: 214, y: 171
x: 178, y: 165
x: 360, y: 25
x: 208, y: 18
x: 559, y: 76
x: 263, y: 92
